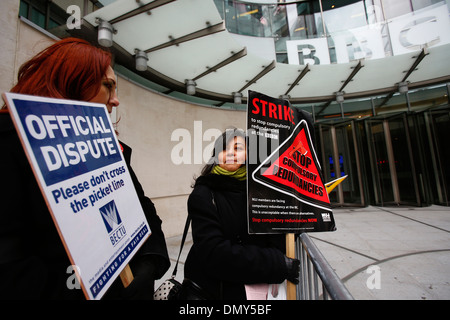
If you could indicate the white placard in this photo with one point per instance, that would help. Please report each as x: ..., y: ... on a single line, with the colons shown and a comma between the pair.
x: 79, y: 166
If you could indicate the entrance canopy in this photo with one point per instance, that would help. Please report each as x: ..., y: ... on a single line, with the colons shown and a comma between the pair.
x: 186, y: 41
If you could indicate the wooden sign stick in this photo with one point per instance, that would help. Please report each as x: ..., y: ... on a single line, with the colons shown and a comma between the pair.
x: 291, y: 291
x: 126, y: 276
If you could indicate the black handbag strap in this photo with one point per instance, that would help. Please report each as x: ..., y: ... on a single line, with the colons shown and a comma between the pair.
x: 186, y: 228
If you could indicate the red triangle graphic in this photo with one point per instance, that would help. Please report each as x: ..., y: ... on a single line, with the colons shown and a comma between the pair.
x: 296, y: 170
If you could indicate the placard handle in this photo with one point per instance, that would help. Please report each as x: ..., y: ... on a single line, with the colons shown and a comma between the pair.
x: 126, y: 276
x: 291, y: 290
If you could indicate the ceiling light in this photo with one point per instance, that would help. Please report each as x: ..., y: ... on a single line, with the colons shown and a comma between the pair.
x: 403, y: 87
x: 141, y: 60
x: 190, y: 87
x: 339, y: 97
x: 237, y: 97
x: 105, y: 33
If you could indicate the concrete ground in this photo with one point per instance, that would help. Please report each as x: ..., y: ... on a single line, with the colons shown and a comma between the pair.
x: 380, y: 253
x: 410, y: 247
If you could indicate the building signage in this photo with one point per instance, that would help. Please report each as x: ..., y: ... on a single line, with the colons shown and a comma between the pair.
x: 407, y: 33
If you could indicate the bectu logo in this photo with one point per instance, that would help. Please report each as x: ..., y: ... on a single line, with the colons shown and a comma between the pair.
x: 113, y: 222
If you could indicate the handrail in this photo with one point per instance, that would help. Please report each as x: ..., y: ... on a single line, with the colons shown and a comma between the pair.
x: 308, y: 289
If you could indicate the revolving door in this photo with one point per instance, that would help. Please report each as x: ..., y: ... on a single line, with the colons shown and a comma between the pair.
x: 392, y: 165
x: 340, y: 157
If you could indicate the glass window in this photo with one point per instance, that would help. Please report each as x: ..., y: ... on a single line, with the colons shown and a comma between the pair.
x: 282, y: 57
x: 278, y: 18
x: 38, y: 17
x: 420, y: 4
x: 52, y: 24
x: 23, y: 10
x: 303, y: 24
x: 220, y: 7
x: 345, y: 18
x: 246, y: 19
x: 395, y: 8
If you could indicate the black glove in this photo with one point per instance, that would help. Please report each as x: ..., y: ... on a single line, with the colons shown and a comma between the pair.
x: 143, y: 284
x: 293, y: 266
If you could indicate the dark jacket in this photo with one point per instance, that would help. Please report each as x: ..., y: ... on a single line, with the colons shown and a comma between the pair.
x: 156, y: 244
x: 33, y: 261
x: 224, y: 256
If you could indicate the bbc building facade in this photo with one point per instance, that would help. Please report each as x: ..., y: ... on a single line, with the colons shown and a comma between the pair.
x: 374, y: 74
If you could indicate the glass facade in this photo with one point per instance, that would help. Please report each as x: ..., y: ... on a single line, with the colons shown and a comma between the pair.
x: 393, y: 159
x: 394, y: 148
x: 325, y: 31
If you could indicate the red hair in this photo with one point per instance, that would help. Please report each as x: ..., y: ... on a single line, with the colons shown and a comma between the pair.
x: 69, y: 69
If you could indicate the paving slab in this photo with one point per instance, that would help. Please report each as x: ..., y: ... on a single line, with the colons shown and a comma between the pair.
x: 380, y: 253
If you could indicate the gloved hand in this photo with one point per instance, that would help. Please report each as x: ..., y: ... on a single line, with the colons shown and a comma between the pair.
x: 293, y: 266
x: 143, y: 284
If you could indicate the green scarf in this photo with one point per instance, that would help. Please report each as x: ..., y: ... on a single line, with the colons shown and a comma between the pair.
x: 240, y: 174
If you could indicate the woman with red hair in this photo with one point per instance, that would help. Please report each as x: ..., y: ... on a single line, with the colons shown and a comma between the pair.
x: 33, y: 261
x: 69, y: 69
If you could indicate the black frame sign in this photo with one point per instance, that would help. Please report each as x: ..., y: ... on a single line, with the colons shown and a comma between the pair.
x: 286, y: 190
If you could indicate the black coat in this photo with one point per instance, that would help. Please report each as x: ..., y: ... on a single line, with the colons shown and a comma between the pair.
x: 224, y: 256
x: 33, y: 261
x: 156, y: 244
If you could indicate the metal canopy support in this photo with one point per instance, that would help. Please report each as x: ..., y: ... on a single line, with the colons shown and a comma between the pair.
x: 302, y: 74
x: 419, y: 58
x: 386, y: 99
x: 259, y: 76
x: 225, y: 62
x: 352, y: 75
x: 266, y: 70
x: 144, y: 8
x: 324, y: 106
x: 192, y: 36
x: 350, y: 78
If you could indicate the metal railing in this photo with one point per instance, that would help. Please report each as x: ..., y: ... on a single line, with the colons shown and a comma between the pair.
x: 314, y: 268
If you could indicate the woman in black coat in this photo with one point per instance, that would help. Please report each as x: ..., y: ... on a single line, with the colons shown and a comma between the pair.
x: 33, y: 261
x: 224, y: 256
x: 152, y: 260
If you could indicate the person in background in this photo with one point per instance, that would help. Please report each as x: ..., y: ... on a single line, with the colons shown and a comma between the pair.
x: 224, y: 256
x: 33, y: 261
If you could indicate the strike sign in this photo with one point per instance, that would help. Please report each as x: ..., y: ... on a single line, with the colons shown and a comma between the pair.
x: 286, y: 192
